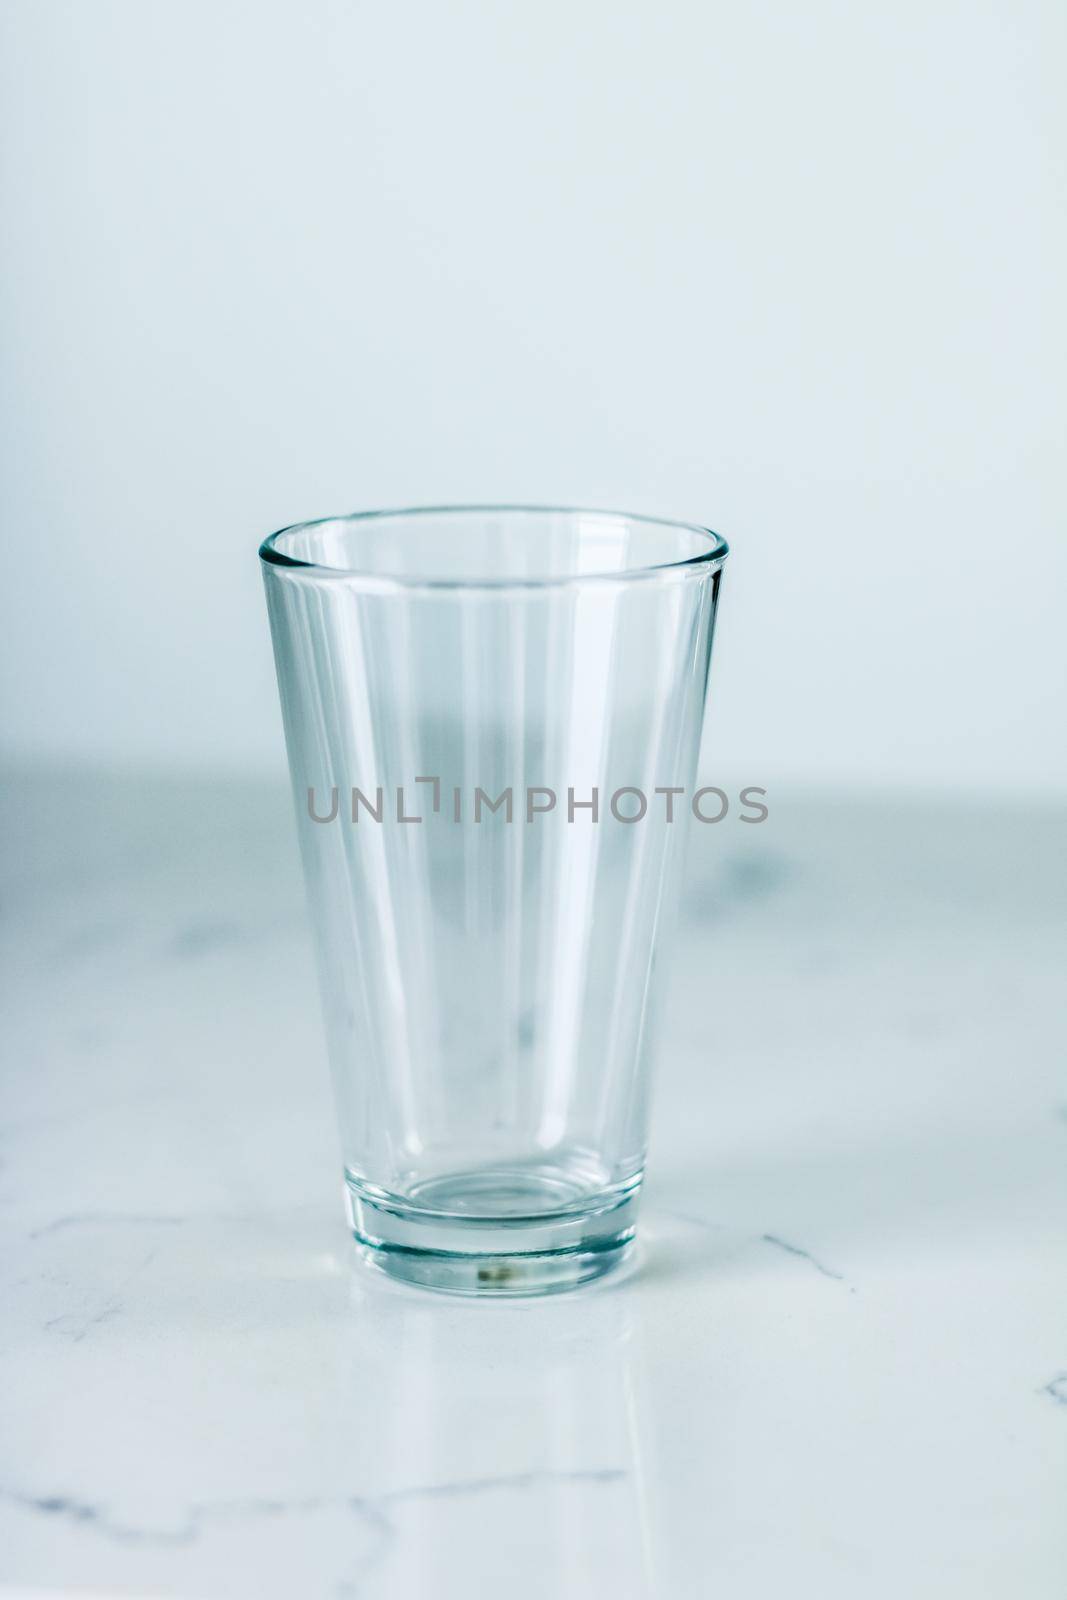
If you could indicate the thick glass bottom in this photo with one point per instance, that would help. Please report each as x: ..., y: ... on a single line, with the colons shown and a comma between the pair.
x: 494, y: 1231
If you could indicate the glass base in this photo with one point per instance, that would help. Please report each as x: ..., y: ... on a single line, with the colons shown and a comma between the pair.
x: 493, y: 1232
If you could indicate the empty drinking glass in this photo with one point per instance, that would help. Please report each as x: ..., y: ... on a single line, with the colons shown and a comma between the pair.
x: 493, y: 717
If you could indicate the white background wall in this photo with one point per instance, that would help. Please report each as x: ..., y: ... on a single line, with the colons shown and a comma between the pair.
x: 796, y: 270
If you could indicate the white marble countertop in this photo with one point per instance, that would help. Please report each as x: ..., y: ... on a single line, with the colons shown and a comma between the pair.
x: 838, y: 1368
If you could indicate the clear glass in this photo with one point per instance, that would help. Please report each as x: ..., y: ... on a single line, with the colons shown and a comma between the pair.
x: 480, y: 705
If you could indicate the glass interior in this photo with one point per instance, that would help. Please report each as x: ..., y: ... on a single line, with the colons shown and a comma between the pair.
x: 493, y: 545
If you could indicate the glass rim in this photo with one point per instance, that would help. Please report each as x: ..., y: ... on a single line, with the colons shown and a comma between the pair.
x: 699, y: 565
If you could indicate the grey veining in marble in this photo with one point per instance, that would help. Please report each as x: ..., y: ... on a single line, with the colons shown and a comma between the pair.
x: 837, y: 1368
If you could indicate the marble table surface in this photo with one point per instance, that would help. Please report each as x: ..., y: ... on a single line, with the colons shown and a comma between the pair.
x: 838, y: 1366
